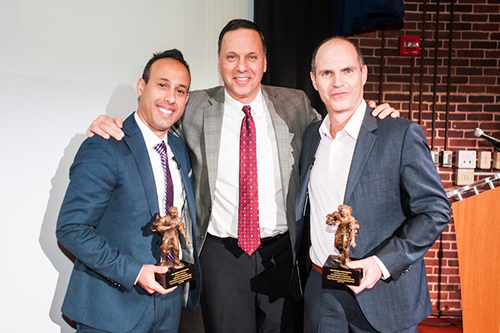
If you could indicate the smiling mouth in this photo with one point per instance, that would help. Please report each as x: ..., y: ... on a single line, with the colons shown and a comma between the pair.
x: 242, y: 79
x: 165, y: 111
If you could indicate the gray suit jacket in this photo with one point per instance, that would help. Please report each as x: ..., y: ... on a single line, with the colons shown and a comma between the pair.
x: 200, y: 128
x: 398, y: 199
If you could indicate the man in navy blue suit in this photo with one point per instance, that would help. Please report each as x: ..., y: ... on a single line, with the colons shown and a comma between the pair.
x: 384, y: 171
x: 116, y: 189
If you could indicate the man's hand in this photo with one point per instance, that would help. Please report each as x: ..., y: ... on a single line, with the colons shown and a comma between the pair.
x: 371, y: 273
x: 383, y: 110
x: 147, y: 279
x: 105, y: 126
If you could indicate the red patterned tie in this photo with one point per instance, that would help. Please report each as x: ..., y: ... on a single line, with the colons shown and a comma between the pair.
x: 248, y: 210
x: 161, y: 148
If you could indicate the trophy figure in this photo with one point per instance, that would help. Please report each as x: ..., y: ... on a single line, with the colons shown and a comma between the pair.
x: 335, y: 269
x: 347, y: 230
x: 169, y: 227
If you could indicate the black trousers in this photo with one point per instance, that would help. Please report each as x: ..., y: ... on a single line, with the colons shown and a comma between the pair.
x: 251, y: 294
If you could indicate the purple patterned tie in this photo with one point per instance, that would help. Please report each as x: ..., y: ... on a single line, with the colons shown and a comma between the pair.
x: 161, y: 148
x: 248, y: 209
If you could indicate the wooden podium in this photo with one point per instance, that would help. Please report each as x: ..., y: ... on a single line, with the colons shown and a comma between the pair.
x: 477, y: 227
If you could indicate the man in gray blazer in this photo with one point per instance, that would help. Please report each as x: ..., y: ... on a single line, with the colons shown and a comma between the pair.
x: 245, y: 292
x: 384, y: 171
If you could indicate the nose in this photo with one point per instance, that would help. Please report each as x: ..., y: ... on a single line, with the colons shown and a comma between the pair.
x: 169, y: 96
x: 241, y: 65
x: 337, y: 80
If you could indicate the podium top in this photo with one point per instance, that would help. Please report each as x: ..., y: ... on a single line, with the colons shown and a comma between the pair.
x: 463, y: 190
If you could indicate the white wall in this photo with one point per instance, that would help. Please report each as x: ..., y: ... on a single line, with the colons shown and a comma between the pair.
x: 62, y: 63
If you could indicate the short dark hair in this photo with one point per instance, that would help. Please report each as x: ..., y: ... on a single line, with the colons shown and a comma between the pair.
x: 173, y: 54
x: 241, y: 24
x: 361, y: 60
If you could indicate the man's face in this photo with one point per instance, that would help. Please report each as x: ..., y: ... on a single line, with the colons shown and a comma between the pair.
x: 339, y: 78
x: 163, y: 98
x: 242, y: 64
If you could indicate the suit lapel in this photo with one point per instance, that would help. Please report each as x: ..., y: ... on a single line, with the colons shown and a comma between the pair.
x: 135, y: 141
x: 309, y: 148
x: 212, y: 124
x: 277, y: 110
x: 180, y: 153
x: 364, y: 145
x: 176, y: 146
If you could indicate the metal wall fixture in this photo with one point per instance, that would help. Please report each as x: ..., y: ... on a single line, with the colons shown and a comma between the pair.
x: 461, y: 192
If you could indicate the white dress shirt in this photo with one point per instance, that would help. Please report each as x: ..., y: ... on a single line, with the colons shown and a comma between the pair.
x: 224, y: 219
x: 327, y: 185
x: 151, y: 140
x: 328, y: 182
x: 186, y: 252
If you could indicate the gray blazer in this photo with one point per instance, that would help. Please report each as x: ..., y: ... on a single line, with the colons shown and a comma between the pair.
x: 200, y: 127
x: 398, y: 199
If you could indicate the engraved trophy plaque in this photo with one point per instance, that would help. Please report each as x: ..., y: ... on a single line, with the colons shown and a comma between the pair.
x: 335, y: 270
x: 169, y: 227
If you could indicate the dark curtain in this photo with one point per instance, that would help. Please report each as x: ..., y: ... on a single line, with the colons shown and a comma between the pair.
x: 293, y: 29
x: 350, y: 16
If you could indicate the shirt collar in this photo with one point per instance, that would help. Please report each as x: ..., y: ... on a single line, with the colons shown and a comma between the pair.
x: 150, y: 138
x: 257, y: 105
x: 351, y: 128
x: 354, y: 124
x: 324, y: 129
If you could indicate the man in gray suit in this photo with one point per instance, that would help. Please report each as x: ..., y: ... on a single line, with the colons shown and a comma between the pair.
x: 242, y: 291
x: 384, y: 171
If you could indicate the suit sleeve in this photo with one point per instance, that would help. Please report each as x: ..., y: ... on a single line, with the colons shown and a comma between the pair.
x: 93, y: 178
x: 424, y: 203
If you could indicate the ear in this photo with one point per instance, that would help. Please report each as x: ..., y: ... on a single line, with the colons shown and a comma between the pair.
x: 265, y: 64
x: 313, y: 80
x: 140, y: 86
x: 364, y: 74
x: 218, y: 64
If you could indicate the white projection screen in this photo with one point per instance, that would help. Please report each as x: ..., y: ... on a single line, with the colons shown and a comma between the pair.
x: 62, y: 63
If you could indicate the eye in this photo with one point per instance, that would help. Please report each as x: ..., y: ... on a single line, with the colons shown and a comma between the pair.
x: 161, y: 85
x: 348, y: 71
x: 230, y: 57
x: 326, y: 73
x: 181, y: 92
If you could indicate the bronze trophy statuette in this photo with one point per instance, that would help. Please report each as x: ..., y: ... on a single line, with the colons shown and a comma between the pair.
x: 169, y: 227
x: 335, y: 270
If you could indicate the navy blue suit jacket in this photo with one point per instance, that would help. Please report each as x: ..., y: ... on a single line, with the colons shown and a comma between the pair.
x: 105, y: 221
x: 398, y: 199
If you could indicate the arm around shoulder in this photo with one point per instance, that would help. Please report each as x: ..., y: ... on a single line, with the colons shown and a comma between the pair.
x: 106, y: 127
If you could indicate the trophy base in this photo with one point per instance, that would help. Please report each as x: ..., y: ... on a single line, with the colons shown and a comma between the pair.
x: 335, y: 275
x: 177, y: 276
